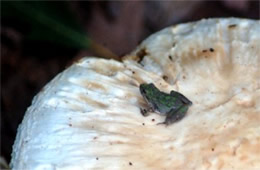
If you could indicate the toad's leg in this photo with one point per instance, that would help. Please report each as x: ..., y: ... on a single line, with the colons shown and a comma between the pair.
x: 181, y: 96
x: 144, y: 112
x: 175, y: 115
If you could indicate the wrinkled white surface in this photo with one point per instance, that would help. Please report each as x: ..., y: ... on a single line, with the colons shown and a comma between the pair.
x: 88, y: 117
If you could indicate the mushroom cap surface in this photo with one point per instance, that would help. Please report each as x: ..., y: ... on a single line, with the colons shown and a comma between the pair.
x: 88, y: 116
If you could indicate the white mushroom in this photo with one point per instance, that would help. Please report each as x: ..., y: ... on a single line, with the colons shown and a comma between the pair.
x: 88, y: 117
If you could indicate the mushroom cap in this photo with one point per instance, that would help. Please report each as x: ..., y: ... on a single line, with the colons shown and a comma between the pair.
x: 88, y: 116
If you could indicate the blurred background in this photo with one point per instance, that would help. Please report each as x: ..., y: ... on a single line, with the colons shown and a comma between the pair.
x: 40, y: 39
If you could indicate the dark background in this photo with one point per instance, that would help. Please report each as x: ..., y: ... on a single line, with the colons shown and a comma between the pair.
x: 27, y: 65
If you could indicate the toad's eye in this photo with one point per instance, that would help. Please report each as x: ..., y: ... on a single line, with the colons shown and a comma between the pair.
x: 143, y: 91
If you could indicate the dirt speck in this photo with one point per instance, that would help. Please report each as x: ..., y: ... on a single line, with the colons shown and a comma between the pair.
x: 232, y: 26
x: 140, y: 54
x: 165, y: 77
